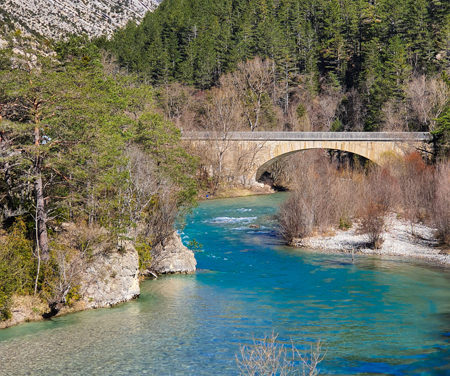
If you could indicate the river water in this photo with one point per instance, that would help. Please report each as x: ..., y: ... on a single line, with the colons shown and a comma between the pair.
x: 374, y: 316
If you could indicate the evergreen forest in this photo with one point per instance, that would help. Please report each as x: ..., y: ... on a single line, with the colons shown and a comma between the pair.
x: 375, y: 57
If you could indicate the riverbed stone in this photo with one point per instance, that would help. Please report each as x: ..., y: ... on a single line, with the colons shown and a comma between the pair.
x: 172, y: 257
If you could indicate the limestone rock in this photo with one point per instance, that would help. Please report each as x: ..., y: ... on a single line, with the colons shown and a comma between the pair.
x: 172, y: 257
x: 57, y: 18
x: 111, y: 278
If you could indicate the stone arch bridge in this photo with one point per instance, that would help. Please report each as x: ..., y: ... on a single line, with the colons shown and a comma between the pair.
x: 271, y: 146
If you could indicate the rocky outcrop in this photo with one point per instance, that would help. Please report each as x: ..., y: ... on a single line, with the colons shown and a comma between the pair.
x: 172, y: 257
x: 110, y: 278
x: 57, y: 18
x: 107, y: 277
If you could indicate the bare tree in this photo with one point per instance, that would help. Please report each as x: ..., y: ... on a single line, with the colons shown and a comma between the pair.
x: 252, y: 81
x: 322, y: 108
x: 177, y: 103
x: 70, y: 265
x: 221, y: 114
x: 318, y: 200
x: 427, y: 98
x: 247, y: 161
x: 296, y: 217
x: 150, y: 199
x: 395, y: 116
x: 372, y: 224
x: 415, y: 182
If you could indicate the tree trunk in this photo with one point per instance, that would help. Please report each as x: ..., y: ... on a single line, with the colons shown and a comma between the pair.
x: 41, y: 216
x: 38, y: 255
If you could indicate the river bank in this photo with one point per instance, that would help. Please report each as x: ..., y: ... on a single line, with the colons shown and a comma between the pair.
x: 106, y: 280
x: 398, y: 238
x: 235, y: 192
x: 398, y: 242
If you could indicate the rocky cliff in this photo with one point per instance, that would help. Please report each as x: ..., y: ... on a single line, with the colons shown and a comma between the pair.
x: 57, y: 18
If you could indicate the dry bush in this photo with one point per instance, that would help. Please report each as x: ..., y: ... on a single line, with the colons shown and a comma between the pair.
x: 325, y: 197
x: 347, y: 200
x: 296, y: 118
x: 178, y: 104
x: 377, y: 195
x: 441, y: 209
x: 289, y: 171
x: 221, y: 116
x: 322, y: 108
x: 85, y: 239
x: 72, y: 250
x: 246, y: 163
x: 296, y: 217
x: 372, y: 224
x: 380, y: 187
x: 415, y: 180
x: 268, y: 358
x: 320, y: 199
x: 62, y: 274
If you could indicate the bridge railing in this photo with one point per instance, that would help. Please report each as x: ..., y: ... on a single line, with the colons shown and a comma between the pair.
x: 309, y: 136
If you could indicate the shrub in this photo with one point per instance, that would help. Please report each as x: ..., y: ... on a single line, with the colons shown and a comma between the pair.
x: 441, y: 209
x: 267, y: 357
x: 73, y: 295
x: 372, y: 224
x: 17, y: 267
x: 144, y: 249
x: 415, y: 180
x: 324, y: 197
x: 295, y: 218
x: 345, y: 223
x: 61, y: 273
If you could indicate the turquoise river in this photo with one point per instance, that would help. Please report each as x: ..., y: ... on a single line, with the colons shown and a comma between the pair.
x: 374, y: 316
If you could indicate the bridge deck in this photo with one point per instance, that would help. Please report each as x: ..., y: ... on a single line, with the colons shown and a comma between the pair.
x: 310, y: 136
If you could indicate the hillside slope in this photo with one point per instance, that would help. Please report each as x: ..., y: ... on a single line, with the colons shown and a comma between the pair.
x: 56, y: 18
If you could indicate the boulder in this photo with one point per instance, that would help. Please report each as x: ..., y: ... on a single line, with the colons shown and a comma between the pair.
x: 172, y: 257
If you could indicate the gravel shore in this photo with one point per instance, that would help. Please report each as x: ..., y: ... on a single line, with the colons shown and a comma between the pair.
x: 398, y: 241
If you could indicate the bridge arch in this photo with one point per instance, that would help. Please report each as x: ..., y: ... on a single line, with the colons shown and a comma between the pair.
x: 373, y: 151
x: 266, y: 165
